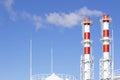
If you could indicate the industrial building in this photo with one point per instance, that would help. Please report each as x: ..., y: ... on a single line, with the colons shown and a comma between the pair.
x: 53, y: 76
x: 106, y: 69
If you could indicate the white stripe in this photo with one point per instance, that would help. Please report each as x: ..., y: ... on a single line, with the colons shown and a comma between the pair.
x: 87, y: 45
x: 87, y: 67
x: 106, y: 37
x: 105, y: 26
x: 105, y: 42
x: 87, y: 56
x: 87, y: 28
x: 106, y: 55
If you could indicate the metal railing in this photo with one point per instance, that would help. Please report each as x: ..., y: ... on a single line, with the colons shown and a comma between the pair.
x: 44, y: 76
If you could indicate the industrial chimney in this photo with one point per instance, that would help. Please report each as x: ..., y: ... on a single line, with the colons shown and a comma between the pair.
x: 105, y: 62
x: 86, y: 60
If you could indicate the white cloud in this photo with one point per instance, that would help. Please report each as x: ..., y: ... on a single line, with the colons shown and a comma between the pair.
x: 36, y: 20
x: 87, y: 12
x: 67, y: 20
x: 8, y: 6
x: 71, y: 19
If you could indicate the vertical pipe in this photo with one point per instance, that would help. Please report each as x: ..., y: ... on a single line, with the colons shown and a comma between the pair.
x: 30, y: 59
x: 51, y: 60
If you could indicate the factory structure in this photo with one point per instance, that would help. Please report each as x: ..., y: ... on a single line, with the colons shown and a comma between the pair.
x: 87, y: 63
x: 106, y: 63
x: 52, y: 75
x: 106, y: 69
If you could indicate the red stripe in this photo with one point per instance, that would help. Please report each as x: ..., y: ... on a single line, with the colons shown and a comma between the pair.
x: 105, y: 33
x: 106, y: 48
x: 87, y: 35
x: 86, y: 50
x: 106, y: 20
x: 87, y: 23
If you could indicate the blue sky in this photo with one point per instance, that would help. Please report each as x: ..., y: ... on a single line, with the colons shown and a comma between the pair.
x: 51, y: 23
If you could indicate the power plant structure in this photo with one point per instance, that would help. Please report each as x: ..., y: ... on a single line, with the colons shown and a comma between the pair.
x: 52, y: 75
x: 106, y: 63
x: 87, y: 66
x: 106, y: 69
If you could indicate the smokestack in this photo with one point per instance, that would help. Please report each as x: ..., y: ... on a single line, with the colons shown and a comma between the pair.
x: 86, y: 43
x: 106, y: 72
x: 106, y: 39
x: 86, y: 24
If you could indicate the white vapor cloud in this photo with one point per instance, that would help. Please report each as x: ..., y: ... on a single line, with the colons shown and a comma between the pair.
x: 87, y: 12
x: 71, y: 19
x: 8, y: 6
x: 36, y: 20
x: 67, y: 20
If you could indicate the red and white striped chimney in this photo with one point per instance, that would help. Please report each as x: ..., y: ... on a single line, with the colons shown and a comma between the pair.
x: 106, y: 39
x: 86, y: 31
x: 87, y: 43
x: 106, y: 46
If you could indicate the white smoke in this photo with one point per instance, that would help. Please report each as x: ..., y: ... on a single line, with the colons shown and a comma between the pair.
x: 72, y: 19
x: 8, y: 6
x: 36, y: 20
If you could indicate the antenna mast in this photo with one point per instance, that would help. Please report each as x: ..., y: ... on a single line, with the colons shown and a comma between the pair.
x: 51, y: 60
x: 30, y: 59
